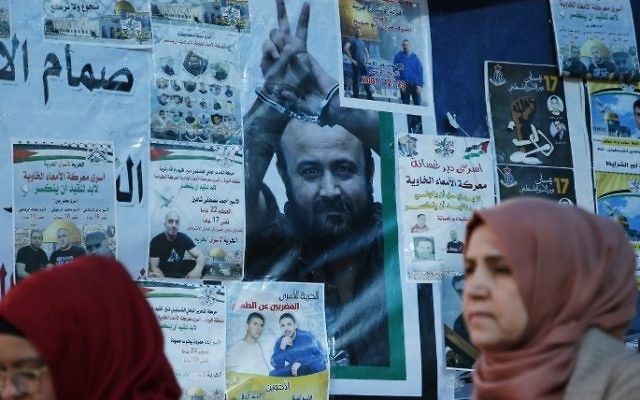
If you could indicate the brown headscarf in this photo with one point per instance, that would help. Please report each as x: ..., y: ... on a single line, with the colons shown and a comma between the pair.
x: 574, y: 271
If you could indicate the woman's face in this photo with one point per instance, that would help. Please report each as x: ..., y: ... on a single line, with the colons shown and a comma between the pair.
x: 493, y: 308
x: 23, y: 374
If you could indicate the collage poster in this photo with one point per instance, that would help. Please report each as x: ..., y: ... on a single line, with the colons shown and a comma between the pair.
x: 276, y: 341
x: 442, y: 181
x: 196, y: 212
x: 104, y: 22
x: 321, y: 198
x: 63, y: 202
x: 595, y: 39
x: 528, y: 122
x: 231, y: 15
x: 192, y: 318
x: 5, y: 21
x: 615, y: 133
x: 195, y: 94
x: 386, y: 56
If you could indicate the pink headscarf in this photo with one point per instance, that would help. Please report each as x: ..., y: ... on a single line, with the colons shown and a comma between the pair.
x: 574, y: 271
x: 95, y: 330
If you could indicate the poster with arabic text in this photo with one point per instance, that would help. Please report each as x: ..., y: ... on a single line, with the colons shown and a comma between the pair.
x: 276, y: 341
x: 595, y: 39
x: 63, y: 203
x: 442, y: 181
x: 192, y: 319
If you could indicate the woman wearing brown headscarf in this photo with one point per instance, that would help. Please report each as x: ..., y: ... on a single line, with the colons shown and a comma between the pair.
x: 82, y: 331
x: 549, y: 292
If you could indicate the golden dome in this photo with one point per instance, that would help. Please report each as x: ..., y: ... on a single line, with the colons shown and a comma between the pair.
x: 610, y: 116
x: 123, y: 6
x: 50, y: 234
x: 196, y: 391
x: 586, y: 48
x: 217, y: 252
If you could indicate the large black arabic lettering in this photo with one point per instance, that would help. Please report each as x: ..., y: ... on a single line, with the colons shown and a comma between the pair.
x: 89, y: 81
x: 87, y: 78
x: 54, y: 69
x: 8, y: 71
x: 127, y: 197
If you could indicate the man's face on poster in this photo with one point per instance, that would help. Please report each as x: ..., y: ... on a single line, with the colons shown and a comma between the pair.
x: 172, y: 224
x: 36, y: 239
x: 405, y: 46
x: 325, y: 178
x: 555, y: 104
x: 63, y: 238
x: 575, y: 52
x: 422, y: 220
x: 255, y: 328
x: 287, y: 327
x: 595, y: 54
x: 424, y: 250
x: 453, y: 235
x: 636, y: 115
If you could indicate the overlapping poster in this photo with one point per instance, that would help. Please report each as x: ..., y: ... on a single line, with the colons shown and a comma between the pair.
x: 595, y: 39
x: 321, y: 197
x: 197, y: 212
x: 442, y: 181
x: 615, y: 135
x: 230, y: 15
x: 385, y: 52
x: 195, y: 96
x: 529, y: 124
x: 63, y: 203
x: 5, y: 20
x: 117, y: 23
x: 276, y: 341
x: 459, y: 352
x: 615, y: 126
x: 192, y: 318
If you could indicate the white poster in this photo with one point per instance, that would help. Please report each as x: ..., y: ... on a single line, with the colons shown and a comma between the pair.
x: 595, y: 39
x: 63, y: 201
x: 384, y: 50
x: 192, y: 318
x: 195, y: 95
x: 60, y: 91
x: 196, y: 211
x: 442, y: 180
x: 104, y: 22
x: 230, y: 15
x: 277, y: 341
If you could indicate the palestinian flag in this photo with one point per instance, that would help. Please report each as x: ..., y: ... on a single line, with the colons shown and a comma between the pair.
x: 476, y: 150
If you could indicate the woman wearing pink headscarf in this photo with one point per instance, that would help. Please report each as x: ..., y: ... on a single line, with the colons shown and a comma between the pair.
x: 549, y: 292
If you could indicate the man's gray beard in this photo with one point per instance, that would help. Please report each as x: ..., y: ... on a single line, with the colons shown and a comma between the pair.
x: 319, y: 228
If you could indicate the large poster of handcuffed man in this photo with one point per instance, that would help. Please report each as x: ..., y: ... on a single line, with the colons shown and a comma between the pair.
x: 63, y: 203
x: 320, y: 193
x: 196, y: 212
x: 276, y: 341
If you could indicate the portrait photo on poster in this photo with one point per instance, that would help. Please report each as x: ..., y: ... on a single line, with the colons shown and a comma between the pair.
x: 65, y: 203
x: 196, y: 211
x: 384, y: 50
x: 596, y: 41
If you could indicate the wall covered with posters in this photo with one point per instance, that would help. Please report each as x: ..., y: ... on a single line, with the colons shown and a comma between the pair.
x: 126, y: 122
